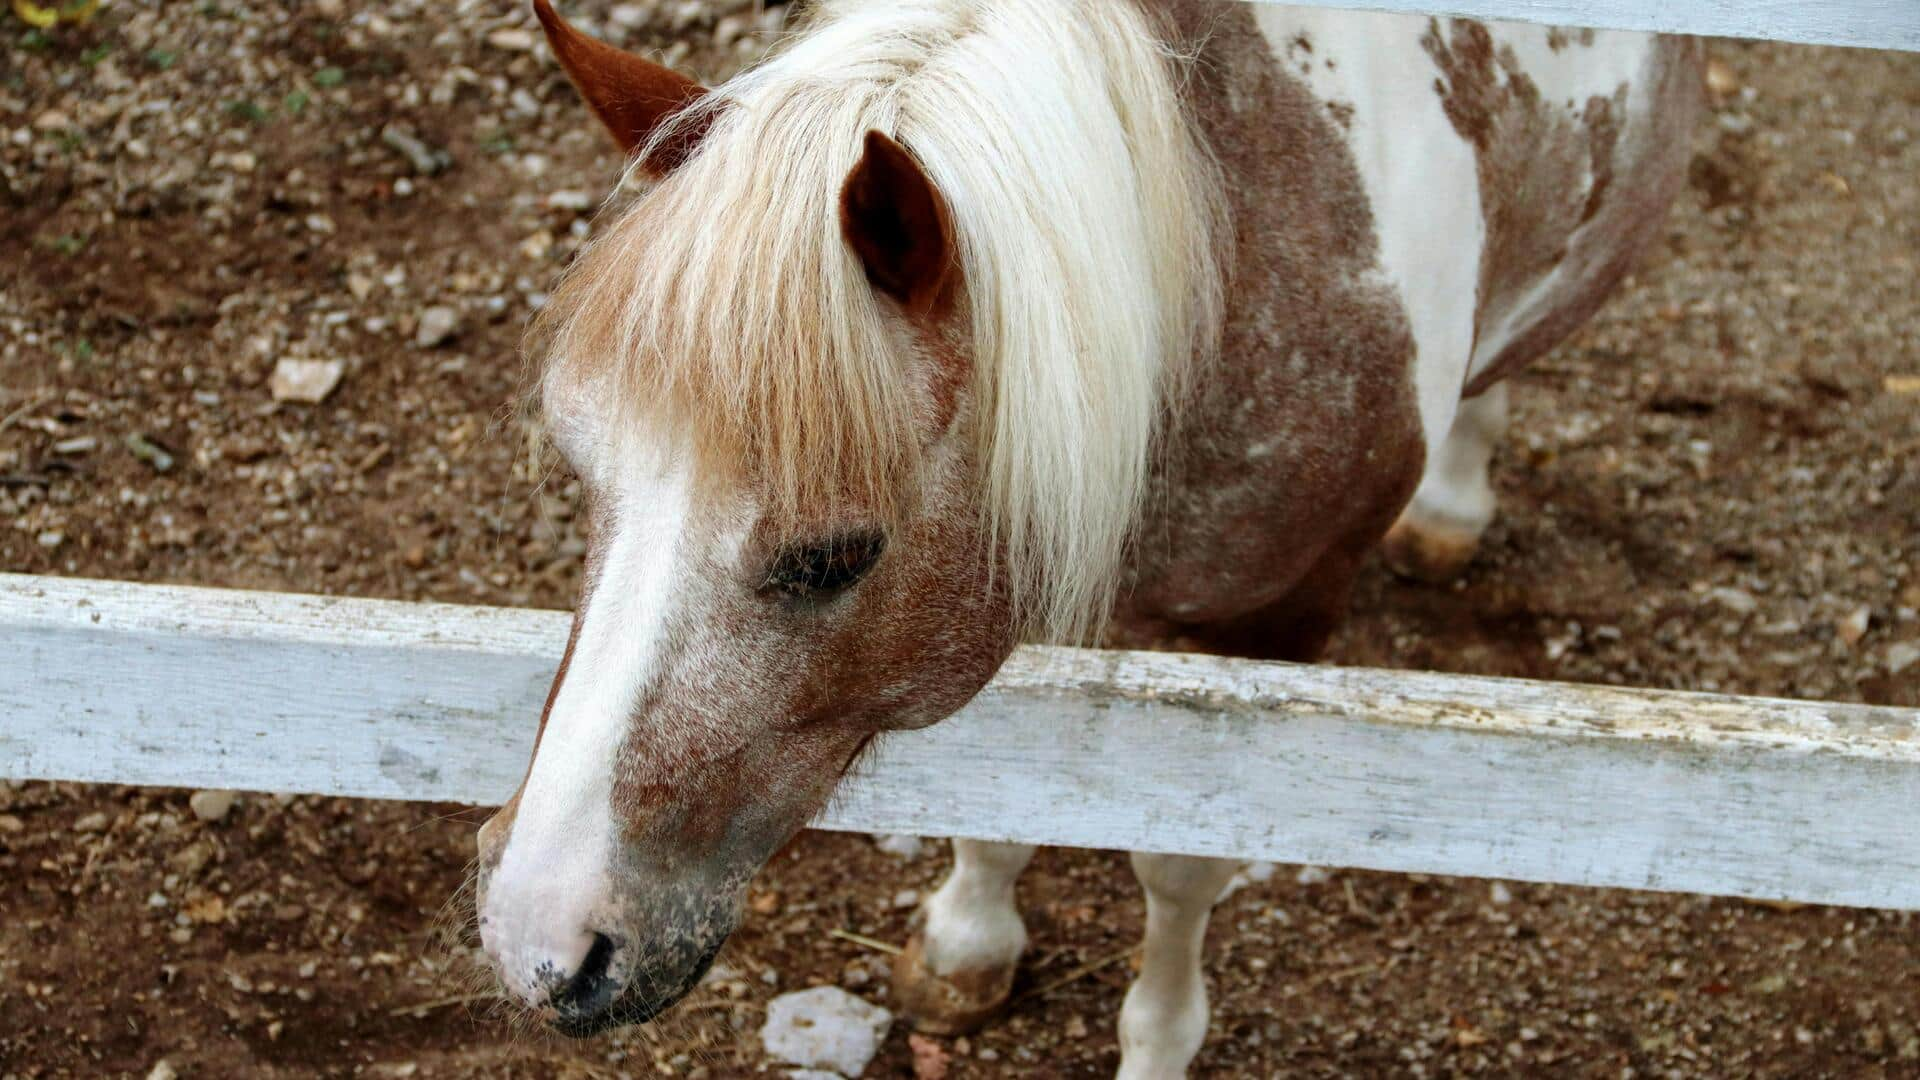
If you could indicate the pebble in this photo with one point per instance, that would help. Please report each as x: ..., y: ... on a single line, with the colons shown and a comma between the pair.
x: 212, y: 805
x: 631, y: 16
x: 1499, y: 893
x: 905, y: 847
x: 84, y: 444
x: 825, y: 1028
x: 52, y: 120
x: 308, y: 381
x: 11, y: 824
x: 1737, y: 601
x: 94, y: 822
x: 1902, y: 655
x: 1852, y: 626
x: 162, y: 1070
x: 511, y: 40
x: 906, y: 898
x: 437, y: 325
x: 426, y: 159
x: 1312, y: 875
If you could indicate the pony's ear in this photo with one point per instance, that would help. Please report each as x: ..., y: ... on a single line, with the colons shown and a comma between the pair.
x: 897, y: 224
x: 630, y: 94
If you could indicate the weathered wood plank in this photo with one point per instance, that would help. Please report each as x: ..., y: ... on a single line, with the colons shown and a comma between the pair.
x: 105, y: 681
x: 1872, y: 24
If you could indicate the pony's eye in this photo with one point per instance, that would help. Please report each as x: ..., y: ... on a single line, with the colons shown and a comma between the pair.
x: 820, y: 570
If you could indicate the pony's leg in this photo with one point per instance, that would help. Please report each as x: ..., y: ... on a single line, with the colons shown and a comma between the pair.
x: 1164, y: 1018
x: 958, y: 970
x: 1436, y: 535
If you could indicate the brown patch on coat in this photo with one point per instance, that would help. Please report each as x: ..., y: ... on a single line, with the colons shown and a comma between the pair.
x: 1299, y: 448
x: 1577, y: 191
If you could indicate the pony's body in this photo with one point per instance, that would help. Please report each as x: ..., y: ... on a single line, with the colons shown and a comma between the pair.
x: 1421, y: 208
x: 963, y: 321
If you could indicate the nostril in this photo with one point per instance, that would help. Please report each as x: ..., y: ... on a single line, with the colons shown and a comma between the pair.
x: 591, y: 989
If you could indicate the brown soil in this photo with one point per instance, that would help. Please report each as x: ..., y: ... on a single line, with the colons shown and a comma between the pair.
x: 1703, y: 490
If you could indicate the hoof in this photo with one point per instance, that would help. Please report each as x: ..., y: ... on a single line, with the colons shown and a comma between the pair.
x: 1435, y: 553
x: 956, y: 1004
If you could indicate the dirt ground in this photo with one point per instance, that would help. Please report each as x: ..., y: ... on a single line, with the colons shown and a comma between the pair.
x: 1714, y: 486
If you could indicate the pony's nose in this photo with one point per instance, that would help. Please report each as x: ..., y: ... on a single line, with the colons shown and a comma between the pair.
x: 583, y: 998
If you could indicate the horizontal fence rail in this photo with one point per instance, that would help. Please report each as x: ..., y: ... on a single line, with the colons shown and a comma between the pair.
x: 143, y: 684
x: 1872, y: 24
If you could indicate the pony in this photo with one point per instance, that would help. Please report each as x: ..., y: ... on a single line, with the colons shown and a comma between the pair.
x: 961, y: 323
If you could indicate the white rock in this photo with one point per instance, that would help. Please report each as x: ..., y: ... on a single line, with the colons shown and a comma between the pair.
x: 162, y: 1070
x: 905, y: 847
x: 1312, y: 875
x: 437, y: 324
x: 630, y: 16
x: 309, y: 381
x: 1902, y: 655
x: 1499, y: 893
x: 94, y: 822
x: 1852, y: 626
x: 212, y: 805
x: 906, y: 898
x: 824, y: 1028
x: 511, y: 40
x: 1738, y: 601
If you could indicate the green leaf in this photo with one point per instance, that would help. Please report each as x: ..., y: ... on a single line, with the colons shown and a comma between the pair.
x: 329, y: 77
x: 248, y: 111
x: 161, y: 59
x: 96, y: 54
x: 296, y: 102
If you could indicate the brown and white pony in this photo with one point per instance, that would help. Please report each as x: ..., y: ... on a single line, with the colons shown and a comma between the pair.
x: 961, y: 323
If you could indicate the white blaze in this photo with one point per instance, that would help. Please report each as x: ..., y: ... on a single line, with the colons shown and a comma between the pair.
x: 553, y: 887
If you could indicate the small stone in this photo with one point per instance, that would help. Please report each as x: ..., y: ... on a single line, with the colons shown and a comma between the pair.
x: 1312, y: 875
x: 11, y: 824
x: 308, y: 381
x: 162, y: 1070
x: 906, y: 898
x: 437, y: 325
x: 84, y: 444
x: 360, y: 285
x: 1738, y: 601
x: 1852, y: 626
x: 1500, y: 894
x: 149, y: 451
x: 426, y: 159
x: 51, y: 538
x: 511, y: 40
x: 903, y: 847
x: 825, y: 1028
x: 630, y: 16
x: 89, y: 823
x: 575, y: 201
x: 930, y: 1057
x: 52, y: 120
x: 1902, y: 655
x: 212, y: 805
x: 729, y: 30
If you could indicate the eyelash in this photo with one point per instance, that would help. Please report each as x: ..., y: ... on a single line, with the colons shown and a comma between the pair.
x: 822, y: 571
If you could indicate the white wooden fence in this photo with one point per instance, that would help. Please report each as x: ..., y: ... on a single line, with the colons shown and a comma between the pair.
x: 141, y: 684
x: 148, y: 684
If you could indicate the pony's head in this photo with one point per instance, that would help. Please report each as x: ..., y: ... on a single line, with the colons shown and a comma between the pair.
x: 843, y: 441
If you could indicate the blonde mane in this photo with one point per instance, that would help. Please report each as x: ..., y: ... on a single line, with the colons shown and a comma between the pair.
x: 1090, y: 227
